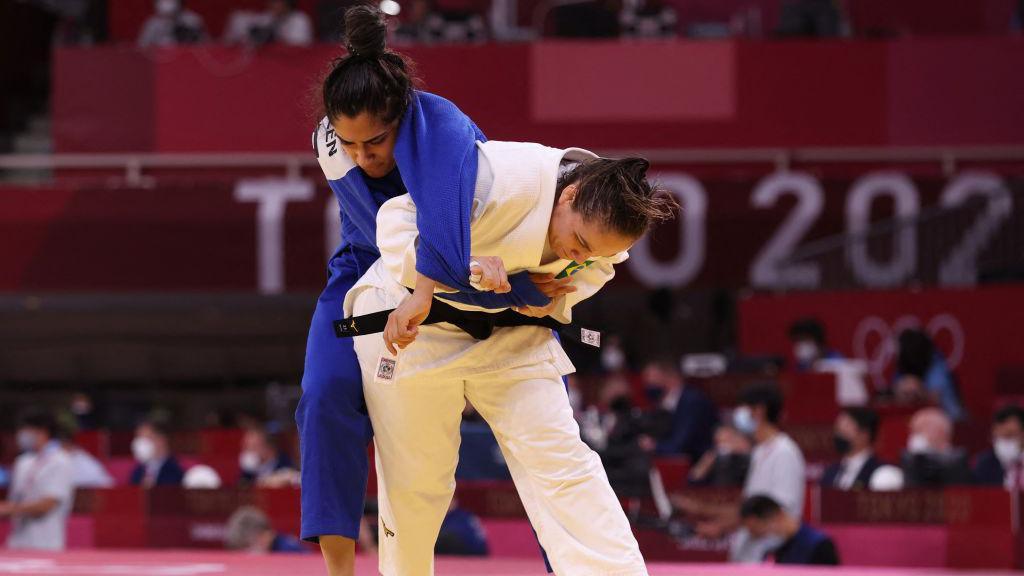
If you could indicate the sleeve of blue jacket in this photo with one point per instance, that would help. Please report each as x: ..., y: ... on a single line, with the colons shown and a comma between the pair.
x: 437, y: 157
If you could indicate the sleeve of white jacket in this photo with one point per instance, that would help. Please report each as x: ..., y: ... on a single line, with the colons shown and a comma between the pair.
x: 587, y: 282
x: 397, y: 237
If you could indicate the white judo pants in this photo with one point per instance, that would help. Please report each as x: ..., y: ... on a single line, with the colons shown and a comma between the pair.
x: 416, y: 420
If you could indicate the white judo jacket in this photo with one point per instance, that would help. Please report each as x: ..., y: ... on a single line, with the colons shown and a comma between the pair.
x: 512, y: 206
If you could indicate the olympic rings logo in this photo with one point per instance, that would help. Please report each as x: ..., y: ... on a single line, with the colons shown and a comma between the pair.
x: 875, y: 341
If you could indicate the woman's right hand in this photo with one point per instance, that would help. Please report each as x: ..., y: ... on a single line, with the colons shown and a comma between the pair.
x: 491, y: 271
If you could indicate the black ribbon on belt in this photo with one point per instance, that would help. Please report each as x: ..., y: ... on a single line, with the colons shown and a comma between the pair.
x: 479, y: 325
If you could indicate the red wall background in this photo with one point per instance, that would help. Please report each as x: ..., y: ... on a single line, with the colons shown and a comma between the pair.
x: 932, y: 92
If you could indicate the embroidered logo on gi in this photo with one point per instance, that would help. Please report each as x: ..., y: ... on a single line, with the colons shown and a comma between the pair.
x: 386, y: 369
x: 591, y: 337
x: 573, y: 268
x: 387, y: 531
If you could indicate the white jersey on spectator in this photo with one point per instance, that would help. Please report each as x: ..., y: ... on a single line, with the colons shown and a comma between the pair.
x: 777, y: 470
x: 47, y: 474
x: 88, y: 471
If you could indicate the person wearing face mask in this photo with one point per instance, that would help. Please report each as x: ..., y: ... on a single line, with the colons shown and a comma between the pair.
x: 725, y: 466
x: 855, y: 432
x: 930, y: 459
x: 689, y: 417
x: 151, y: 449
x: 777, y: 465
x: 1001, y: 464
x: 777, y: 469
x: 809, y: 344
x: 800, y: 543
x: 42, y: 487
x: 172, y: 24
x: 260, y: 460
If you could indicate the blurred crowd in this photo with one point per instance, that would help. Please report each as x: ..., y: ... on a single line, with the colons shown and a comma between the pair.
x: 634, y: 418
x: 430, y: 21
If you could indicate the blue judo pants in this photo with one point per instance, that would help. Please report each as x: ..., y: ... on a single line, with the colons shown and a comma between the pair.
x: 334, y: 428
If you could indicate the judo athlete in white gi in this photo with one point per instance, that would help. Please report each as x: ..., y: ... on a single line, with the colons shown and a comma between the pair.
x: 538, y: 212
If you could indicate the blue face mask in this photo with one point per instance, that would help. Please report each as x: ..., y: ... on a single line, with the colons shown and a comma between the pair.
x: 26, y: 440
x: 743, y: 420
x: 654, y: 394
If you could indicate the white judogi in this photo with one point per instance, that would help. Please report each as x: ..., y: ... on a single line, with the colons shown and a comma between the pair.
x: 513, y: 380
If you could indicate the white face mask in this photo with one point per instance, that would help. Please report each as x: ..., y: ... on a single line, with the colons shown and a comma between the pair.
x: 805, y: 351
x: 743, y: 420
x: 248, y: 461
x: 1006, y: 449
x: 613, y: 359
x: 166, y: 7
x: 26, y: 440
x: 918, y: 444
x: 143, y: 449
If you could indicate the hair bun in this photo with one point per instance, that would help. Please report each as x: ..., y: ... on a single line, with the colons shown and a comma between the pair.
x: 366, y: 31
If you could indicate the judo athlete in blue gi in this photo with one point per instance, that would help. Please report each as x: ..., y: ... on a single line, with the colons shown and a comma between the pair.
x: 381, y: 139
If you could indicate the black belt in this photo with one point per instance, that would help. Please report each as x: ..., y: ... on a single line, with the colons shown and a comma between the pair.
x: 479, y: 325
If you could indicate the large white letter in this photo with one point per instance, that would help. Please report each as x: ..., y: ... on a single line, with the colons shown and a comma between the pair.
x: 272, y: 195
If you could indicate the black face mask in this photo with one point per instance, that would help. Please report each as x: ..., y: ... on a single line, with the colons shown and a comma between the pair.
x: 654, y: 393
x: 621, y: 404
x: 842, y: 444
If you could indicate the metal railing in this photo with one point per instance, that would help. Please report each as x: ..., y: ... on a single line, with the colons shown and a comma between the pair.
x: 134, y: 165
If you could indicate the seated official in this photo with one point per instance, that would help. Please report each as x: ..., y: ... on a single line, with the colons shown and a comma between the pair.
x: 856, y: 430
x: 151, y: 449
x: 260, y: 460
x: 689, y: 416
x: 931, y: 460
x: 1001, y: 464
x: 249, y: 529
x: 725, y: 466
x: 800, y: 543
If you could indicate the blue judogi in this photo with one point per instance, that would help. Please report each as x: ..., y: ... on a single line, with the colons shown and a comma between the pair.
x: 436, y: 160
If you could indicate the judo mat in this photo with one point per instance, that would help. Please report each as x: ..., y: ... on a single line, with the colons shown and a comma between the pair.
x: 203, y: 563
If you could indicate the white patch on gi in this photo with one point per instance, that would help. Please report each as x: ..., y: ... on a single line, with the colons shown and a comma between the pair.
x: 590, y: 337
x: 387, y: 369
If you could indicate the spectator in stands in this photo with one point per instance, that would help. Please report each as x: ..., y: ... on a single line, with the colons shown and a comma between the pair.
x: 1000, y: 465
x: 151, y: 449
x: 427, y: 24
x: 727, y: 465
x: 810, y: 18
x: 42, y: 487
x: 930, y: 458
x: 800, y: 543
x: 648, y: 19
x: 776, y: 466
x: 856, y: 430
x: 249, y: 529
x: 690, y: 417
x: 586, y: 19
x: 923, y: 375
x: 329, y: 16
x: 172, y: 24
x: 777, y: 469
x: 88, y: 471
x: 281, y: 23
x: 260, y: 459
x: 621, y: 436
x: 807, y: 336
x: 461, y: 534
